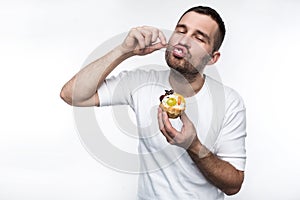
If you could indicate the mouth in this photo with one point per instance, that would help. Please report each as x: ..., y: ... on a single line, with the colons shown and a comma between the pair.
x: 179, y: 51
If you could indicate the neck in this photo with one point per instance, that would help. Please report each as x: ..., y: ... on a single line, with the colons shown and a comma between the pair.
x: 185, y: 87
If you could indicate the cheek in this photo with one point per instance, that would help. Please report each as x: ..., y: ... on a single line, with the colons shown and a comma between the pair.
x: 174, y: 39
x: 199, y: 51
x: 199, y: 55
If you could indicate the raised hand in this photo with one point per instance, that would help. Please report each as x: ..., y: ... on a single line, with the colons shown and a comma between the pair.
x: 144, y: 40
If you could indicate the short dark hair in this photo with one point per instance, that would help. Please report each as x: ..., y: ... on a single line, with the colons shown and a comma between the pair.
x: 216, y: 17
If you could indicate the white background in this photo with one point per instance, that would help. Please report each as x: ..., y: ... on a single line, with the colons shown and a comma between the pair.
x: 43, y: 43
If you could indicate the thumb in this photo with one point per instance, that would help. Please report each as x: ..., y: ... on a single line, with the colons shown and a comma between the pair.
x: 184, y: 118
x: 150, y: 49
x: 157, y: 46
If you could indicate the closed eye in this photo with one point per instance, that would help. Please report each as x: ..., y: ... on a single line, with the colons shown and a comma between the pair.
x: 180, y: 28
x: 200, y: 38
x: 180, y: 31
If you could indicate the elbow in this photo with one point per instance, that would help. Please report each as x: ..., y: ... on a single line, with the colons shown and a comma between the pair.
x: 232, y: 191
x: 235, y: 187
x: 66, y: 96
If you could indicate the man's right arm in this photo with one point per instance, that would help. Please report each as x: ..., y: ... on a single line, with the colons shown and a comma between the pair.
x: 81, y: 89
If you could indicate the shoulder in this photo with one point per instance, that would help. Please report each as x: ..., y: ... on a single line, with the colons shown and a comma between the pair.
x: 232, y: 99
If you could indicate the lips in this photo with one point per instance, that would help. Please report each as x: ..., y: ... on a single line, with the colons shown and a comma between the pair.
x: 179, y: 51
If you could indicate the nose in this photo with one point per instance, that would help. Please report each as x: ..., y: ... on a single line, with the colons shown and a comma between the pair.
x: 185, y: 40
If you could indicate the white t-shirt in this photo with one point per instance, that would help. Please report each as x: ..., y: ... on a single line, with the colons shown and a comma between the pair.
x: 167, y: 171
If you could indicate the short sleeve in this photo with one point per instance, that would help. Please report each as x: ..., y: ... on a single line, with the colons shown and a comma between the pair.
x: 230, y: 145
x: 116, y: 90
x: 119, y: 89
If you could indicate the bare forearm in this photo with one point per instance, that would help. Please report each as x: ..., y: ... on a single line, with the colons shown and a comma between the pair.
x: 85, y: 83
x: 220, y: 173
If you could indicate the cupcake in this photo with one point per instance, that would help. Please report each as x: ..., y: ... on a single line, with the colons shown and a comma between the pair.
x: 173, y: 103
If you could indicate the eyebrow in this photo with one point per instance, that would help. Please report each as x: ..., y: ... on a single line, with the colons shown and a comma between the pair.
x: 197, y: 31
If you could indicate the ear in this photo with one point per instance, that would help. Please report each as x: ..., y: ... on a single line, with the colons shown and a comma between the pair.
x: 214, y: 58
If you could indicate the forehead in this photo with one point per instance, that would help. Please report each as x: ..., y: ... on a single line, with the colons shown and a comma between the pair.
x: 196, y: 21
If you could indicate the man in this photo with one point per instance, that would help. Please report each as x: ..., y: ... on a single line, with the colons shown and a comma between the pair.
x: 197, y: 167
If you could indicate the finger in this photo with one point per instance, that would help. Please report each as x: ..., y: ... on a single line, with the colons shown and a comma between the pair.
x: 153, y: 32
x: 159, y: 118
x: 170, y: 130
x: 154, y: 35
x: 184, y: 118
x: 157, y: 35
x: 162, y: 38
x: 156, y: 47
x: 139, y: 38
x: 161, y: 125
x: 147, y: 36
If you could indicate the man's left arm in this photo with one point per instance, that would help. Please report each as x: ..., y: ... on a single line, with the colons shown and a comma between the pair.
x: 219, y: 172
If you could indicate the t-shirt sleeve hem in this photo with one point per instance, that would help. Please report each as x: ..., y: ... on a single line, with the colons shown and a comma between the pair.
x: 104, y: 94
x: 238, y: 163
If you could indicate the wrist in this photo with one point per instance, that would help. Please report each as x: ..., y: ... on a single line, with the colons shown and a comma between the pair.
x: 203, y: 152
x: 125, y: 51
x: 199, y: 150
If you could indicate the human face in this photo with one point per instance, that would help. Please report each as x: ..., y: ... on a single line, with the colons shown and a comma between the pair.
x: 190, y: 47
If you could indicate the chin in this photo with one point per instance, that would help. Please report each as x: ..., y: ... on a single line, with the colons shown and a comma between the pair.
x: 173, y: 62
x: 179, y: 64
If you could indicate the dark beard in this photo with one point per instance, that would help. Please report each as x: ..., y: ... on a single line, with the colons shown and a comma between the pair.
x: 184, y: 67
